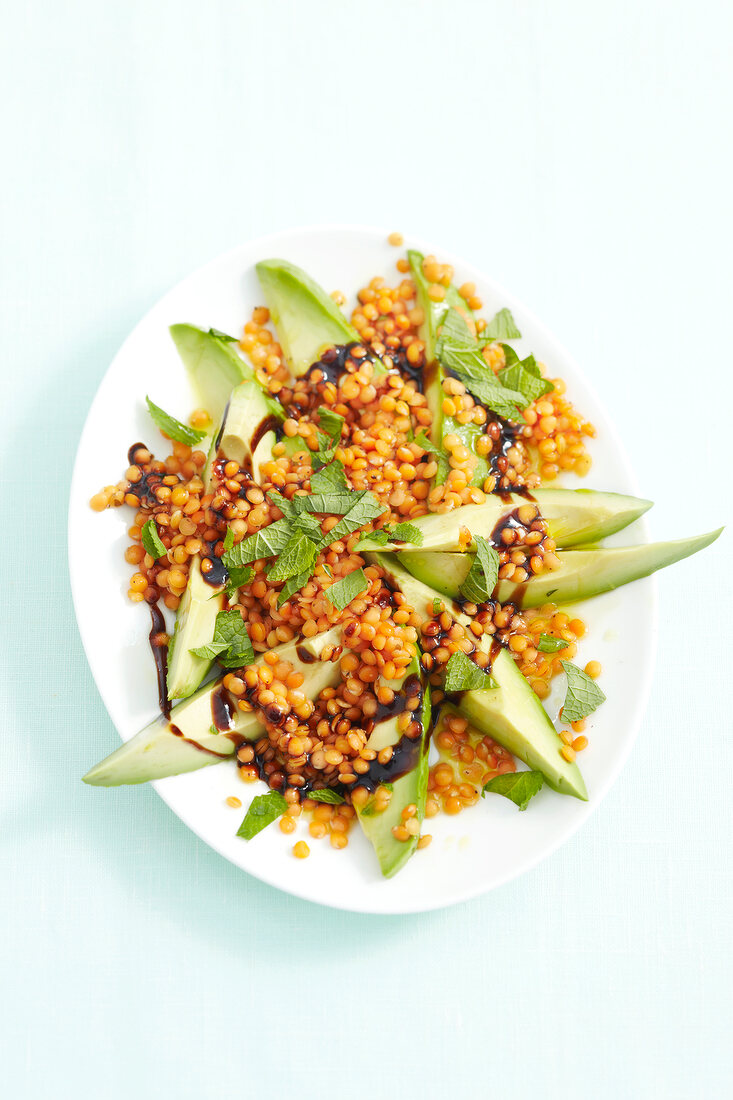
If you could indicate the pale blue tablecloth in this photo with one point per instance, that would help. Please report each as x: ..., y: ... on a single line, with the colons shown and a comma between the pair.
x: 580, y: 154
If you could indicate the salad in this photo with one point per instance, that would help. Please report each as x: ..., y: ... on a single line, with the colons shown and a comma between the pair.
x: 371, y: 566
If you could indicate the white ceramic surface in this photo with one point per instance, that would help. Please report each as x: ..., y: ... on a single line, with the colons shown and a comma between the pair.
x: 482, y: 847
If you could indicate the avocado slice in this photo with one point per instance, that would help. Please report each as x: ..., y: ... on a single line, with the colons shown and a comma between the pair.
x: 246, y: 438
x: 582, y: 574
x: 157, y: 751
x: 412, y: 787
x: 213, y: 366
x: 574, y: 516
x: 511, y: 713
x: 306, y: 318
x: 195, y: 622
x: 248, y: 432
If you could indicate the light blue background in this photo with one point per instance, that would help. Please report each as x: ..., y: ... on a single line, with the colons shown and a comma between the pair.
x: 580, y: 153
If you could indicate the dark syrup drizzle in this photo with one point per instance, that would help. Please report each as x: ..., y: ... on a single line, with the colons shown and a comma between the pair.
x: 160, y: 656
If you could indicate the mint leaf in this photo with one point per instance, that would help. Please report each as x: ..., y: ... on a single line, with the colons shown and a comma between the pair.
x: 331, y: 422
x: 230, y: 645
x: 525, y: 377
x: 460, y: 353
x: 547, y: 644
x: 323, y: 455
x: 481, y: 581
x: 238, y: 576
x: 406, y: 532
x: 347, y: 589
x: 309, y: 526
x: 328, y: 439
x: 583, y: 694
x: 440, y: 456
x: 297, y: 556
x: 293, y: 585
x: 519, y: 787
x: 263, y: 810
x: 329, y: 479
x: 363, y: 507
x: 228, y: 539
x: 328, y: 794
x: 151, y: 540
x: 288, y: 509
x: 502, y: 326
x: 381, y: 537
x: 401, y: 532
x: 265, y: 544
x: 461, y: 674
x: 223, y: 336
x: 172, y: 427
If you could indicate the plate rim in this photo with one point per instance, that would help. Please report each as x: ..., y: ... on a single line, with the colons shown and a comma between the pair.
x: 296, y: 888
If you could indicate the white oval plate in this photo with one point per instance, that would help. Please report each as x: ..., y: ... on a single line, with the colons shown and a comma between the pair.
x: 482, y: 847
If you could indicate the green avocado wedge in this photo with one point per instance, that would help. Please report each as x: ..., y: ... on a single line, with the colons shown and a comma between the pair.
x: 213, y: 365
x: 511, y: 713
x: 582, y: 573
x: 246, y: 438
x: 159, y: 751
x: 410, y: 788
x: 306, y: 318
x: 195, y: 623
x: 574, y: 516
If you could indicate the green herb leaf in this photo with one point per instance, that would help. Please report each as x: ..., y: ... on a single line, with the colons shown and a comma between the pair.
x: 331, y: 422
x: 406, y: 532
x: 263, y: 810
x: 502, y: 326
x: 440, y: 456
x: 525, y: 377
x: 547, y: 644
x: 173, y: 428
x: 583, y: 694
x: 230, y: 645
x: 297, y: 556
x: 401, y: 532
x: 223, y: 336
x: 347, y: 589
x: 238, y: 576
x: 288, y: 509
x: 519, y: 787
x: 309, y: 526
x: 381, y: 537
x: 265, y: 544
x: 461, y: 674
x: 363, y: 508
x: 329, y: 479
x: 293, y: 585
x: 481, y: 581
x: 328, y: 794
x: 151, y: 540
x: 510, y: 355
x: 460, y: 353
x: 437, y: 605
x: 228, y: 539
x: 323, y: 455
